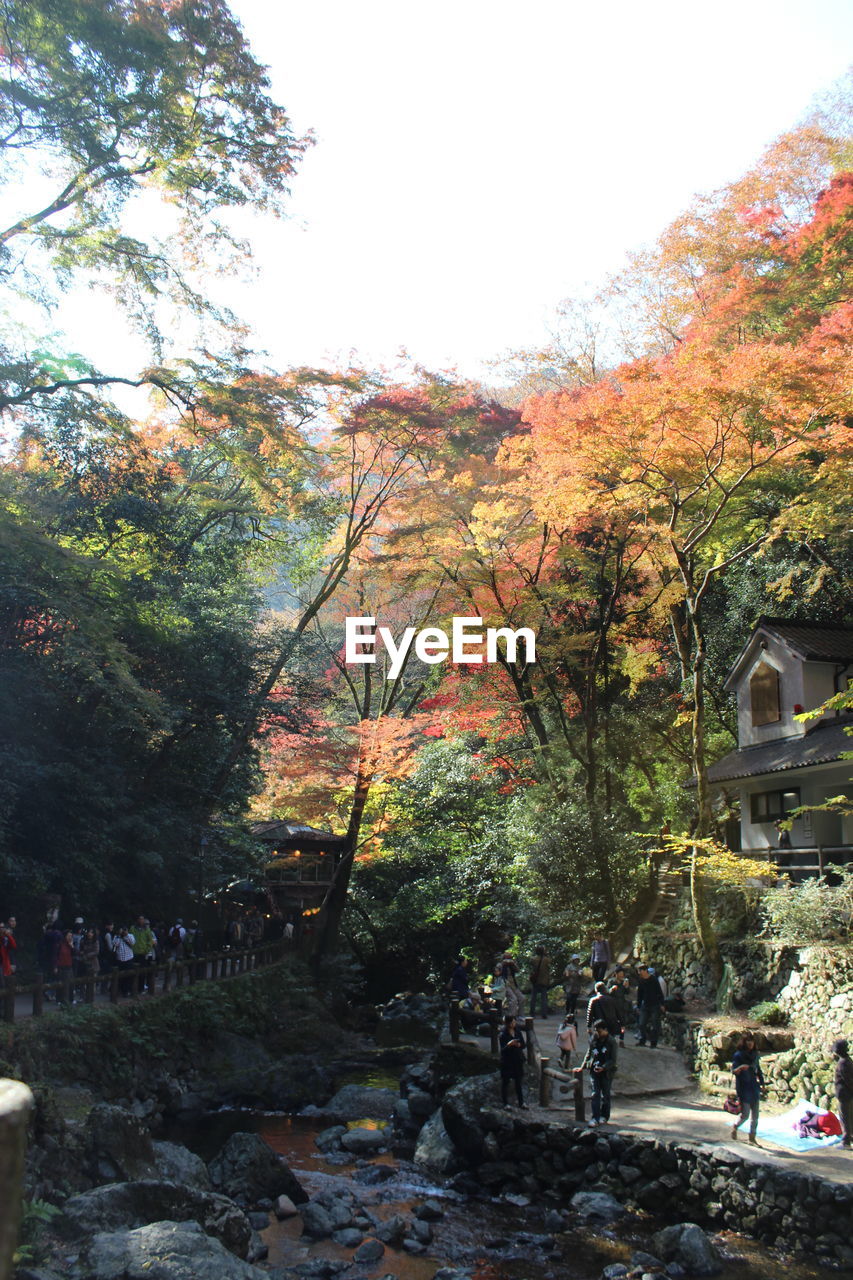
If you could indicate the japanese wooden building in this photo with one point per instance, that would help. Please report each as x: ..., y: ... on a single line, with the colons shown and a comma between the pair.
x: 302, y: 863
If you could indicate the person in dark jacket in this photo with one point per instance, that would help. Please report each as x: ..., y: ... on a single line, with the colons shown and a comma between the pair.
x: 649, y: 1003
x: 749, y: 1082
x: 512, y: 1045
x: 599, y: 957
x: 601, y: 1061
x: 618, y: 992
x: 540, y: 981
x: 844, y: 1090
x: 459, y: 985
x: 602, y: 1008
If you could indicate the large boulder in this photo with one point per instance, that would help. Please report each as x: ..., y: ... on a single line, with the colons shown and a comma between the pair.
x: 120, y: 1146
x: 364, y: 1142
x: 248, y: 1169
x: 688, y: 1245
x: 135, y: 1204
x: 164, y: 1251
x: 434, y: 1149
x: 176, y: 1163
x: 360, y: 1102
x: 461, y: 1110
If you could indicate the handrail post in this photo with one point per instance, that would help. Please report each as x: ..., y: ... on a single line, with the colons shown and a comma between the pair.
x: 820, y: 859
x: 38, y: 996
x: 544, y: 1083
x: 114, y: 985
x: 16, y: 1103
x: 580, y: 1105
x: 454, y: 1019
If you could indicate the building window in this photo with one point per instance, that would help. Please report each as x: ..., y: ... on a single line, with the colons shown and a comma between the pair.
x: 764, y: 694
x: 770, y: 806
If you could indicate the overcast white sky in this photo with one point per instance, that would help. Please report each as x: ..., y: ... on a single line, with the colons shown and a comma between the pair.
x: 477, y: 161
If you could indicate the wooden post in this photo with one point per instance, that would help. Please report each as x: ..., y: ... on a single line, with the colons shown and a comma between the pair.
x: 90, y: 989
x: 820, y: 859
x: 114, y: 985
x: 544, y: 1083
x: 16, y: 1103
x: 580, y: 1105
x: 167, y: 977
x: 38, y: 997
x: 9, y: 998
x: 454, y: 1019
x: 179, y: 973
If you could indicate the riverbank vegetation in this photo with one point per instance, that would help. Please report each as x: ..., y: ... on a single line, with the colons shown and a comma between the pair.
x: 176, y: 566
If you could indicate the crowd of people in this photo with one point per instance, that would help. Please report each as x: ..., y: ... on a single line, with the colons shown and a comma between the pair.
x: 70, y: 958
x: 611, y: 1003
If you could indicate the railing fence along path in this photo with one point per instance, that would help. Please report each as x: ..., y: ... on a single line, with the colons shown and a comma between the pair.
x: 546, y: 1075
x: 120, y: 983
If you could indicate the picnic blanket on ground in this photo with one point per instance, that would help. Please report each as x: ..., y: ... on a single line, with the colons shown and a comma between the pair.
x: 780, y: 1129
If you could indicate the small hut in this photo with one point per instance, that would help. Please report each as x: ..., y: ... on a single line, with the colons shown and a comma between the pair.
x: 301, y: 866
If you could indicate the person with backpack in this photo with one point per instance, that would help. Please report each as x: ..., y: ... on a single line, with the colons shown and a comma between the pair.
x: 602, y: 1008
x: 177, y: 933
x: 540, y: 981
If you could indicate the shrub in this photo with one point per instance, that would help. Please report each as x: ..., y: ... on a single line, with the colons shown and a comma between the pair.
x: 814, y: 911
x: 768, y: 1014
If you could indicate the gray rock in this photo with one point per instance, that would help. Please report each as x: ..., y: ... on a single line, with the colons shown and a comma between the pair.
x: 374, y: 1174
x: 615, y: 1271
x: 164, y: 1251
x: 596, y: 1206
x: 348, y: 1237
x: 421, y: 1231
x: 434, y: 1149
x: 646, y: 1260
x: 688, y: 1245
x: 321, y: 1268
x: 119, y: 1144
x: 258, y: 1221
x: 391, y: 1231
x: 316, y: 1220
x: 126, y: 1205
x: 361, y: 1102
x: 247, y: 1167
x: 330, y: 1139
x: 370, y: 1251
x: 429, y: 1211
x: 450, y: 1273
x: 421, y: 1104
x: 412, y: 1245
x: 554, y: 1221
x: 285, y: 1208
x: 462, y: 1109
x: 364, y: 1141
x: 176, y: 1163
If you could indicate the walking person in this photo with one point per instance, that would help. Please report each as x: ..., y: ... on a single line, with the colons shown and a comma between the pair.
x: 618, y: 993
x: 844, y: 1090
x: 649, y: 1005
x: 749, y: 1082
x: 601, y: 1061
x: 567, y: 1040
x: 512, y: 1046
x: 540, y: 981
x: 8, y: 948
x: 123, y: 952
x: 572, y: 983
x: 599, y: 956
x: 602, y: 1008
x: 459, y: 985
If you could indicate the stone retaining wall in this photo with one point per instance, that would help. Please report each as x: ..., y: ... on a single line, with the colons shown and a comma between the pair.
x: 760, y: 969
x: 678, y: 1181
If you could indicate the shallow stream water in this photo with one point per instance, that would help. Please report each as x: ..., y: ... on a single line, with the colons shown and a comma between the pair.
x: 495, y: 1238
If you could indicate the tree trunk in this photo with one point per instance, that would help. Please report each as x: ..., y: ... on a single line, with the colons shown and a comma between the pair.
x: 698, y: 891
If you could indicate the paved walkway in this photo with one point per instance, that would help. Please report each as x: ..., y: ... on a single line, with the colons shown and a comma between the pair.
x: 653, y: 1094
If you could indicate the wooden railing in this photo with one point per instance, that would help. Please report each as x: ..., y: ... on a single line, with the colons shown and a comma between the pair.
x: 133, y: 981
x: 807, y: 861
x: 541, y: 1065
